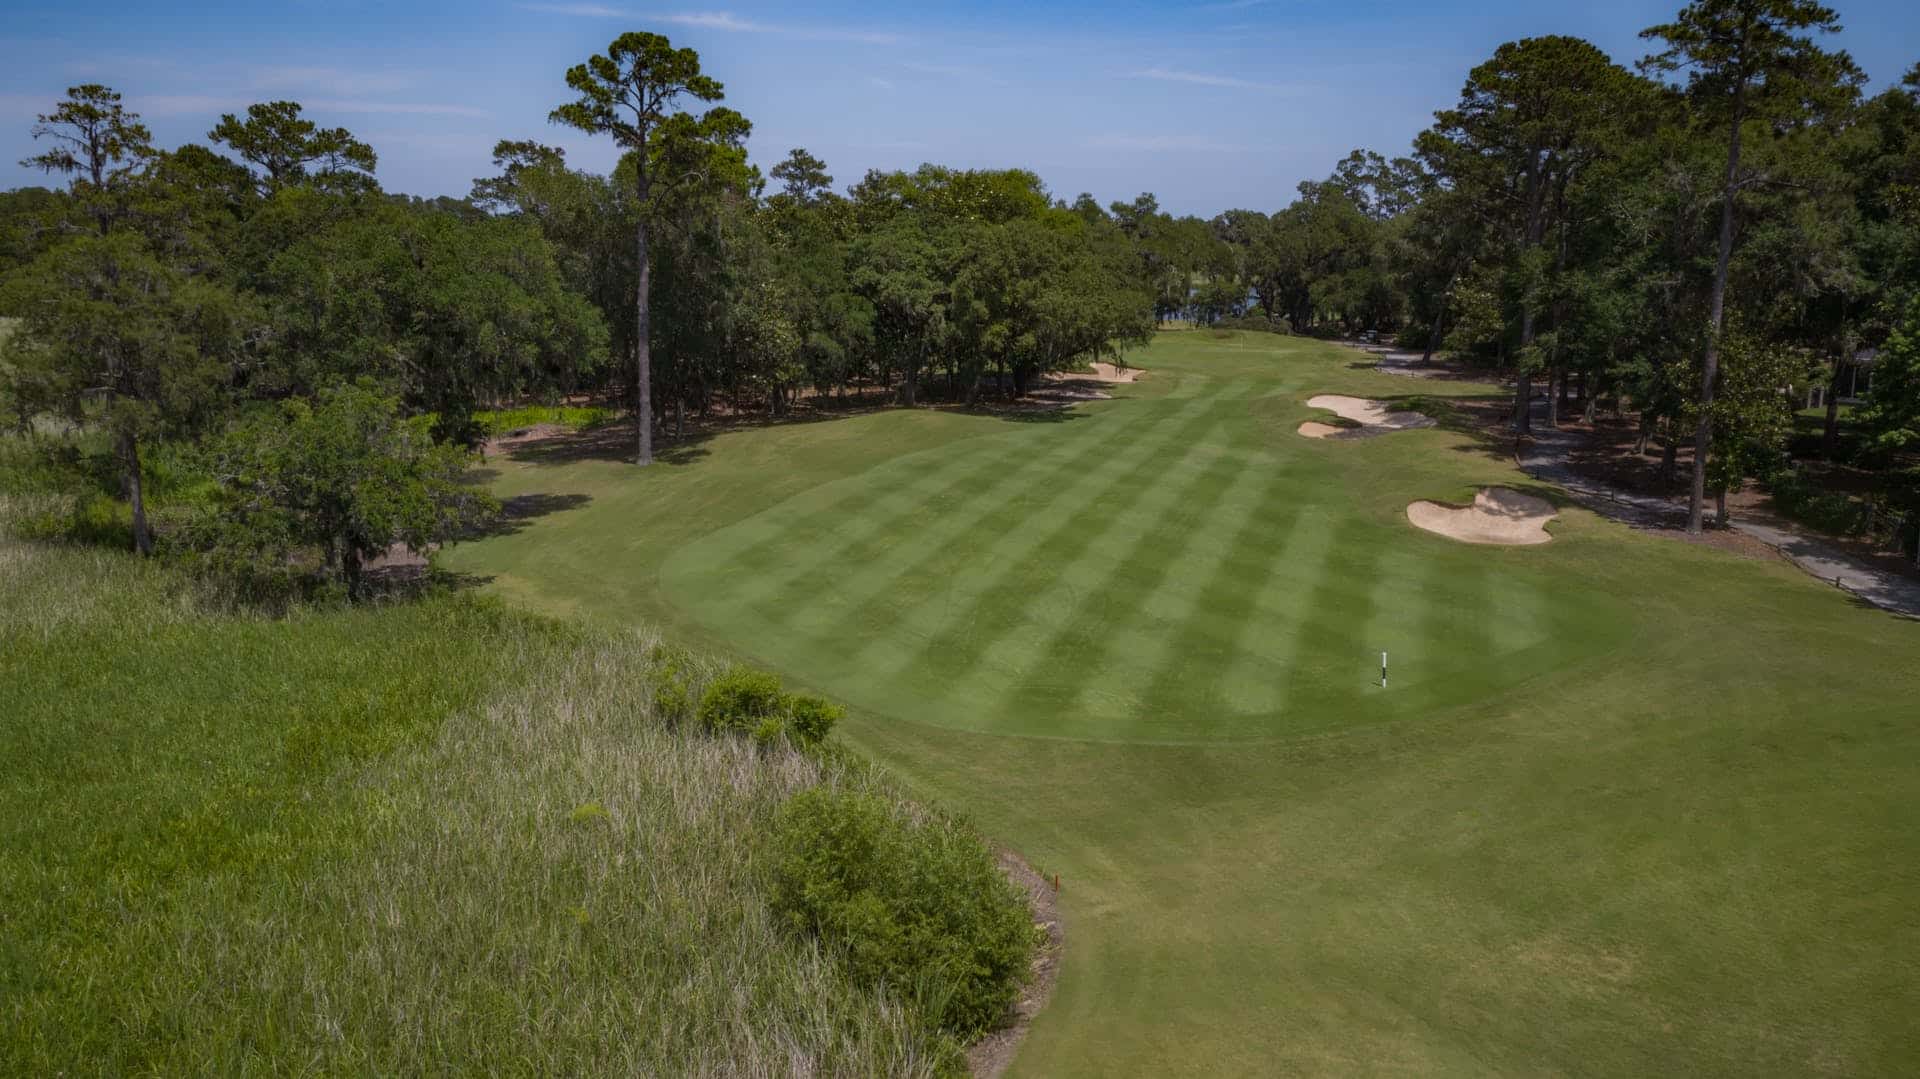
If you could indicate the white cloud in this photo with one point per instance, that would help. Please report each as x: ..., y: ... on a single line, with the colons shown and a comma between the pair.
x: 1162, y: 143
x: 880, y: 82
x: 1205, y: 78
x: 724, y: 21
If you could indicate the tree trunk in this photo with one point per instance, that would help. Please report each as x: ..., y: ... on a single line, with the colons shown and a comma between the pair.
x: 1556, y: 395
x: 1830, y: 436
x: 130, y: 460
x: 1720, y: 507
x: 642, y: 327
x: 1716, y: 318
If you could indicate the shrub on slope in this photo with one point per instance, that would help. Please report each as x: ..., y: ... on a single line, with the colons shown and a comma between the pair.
x: 436, y: 836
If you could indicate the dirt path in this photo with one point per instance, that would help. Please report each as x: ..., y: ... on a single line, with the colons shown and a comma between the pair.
x: 1547, y: 456
x: 989, y: 1056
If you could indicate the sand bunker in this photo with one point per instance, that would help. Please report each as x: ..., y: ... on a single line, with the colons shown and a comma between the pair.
x: 1106, y: 372
x: 1066, y: 387
x: 1372, y: 416
x: 1498, y: 516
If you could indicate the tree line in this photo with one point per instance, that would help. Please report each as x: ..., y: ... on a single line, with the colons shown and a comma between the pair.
x: 1689, y: 237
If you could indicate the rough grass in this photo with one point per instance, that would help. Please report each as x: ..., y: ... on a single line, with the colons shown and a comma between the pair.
x: 434, y: 837
x: 1632, y: 806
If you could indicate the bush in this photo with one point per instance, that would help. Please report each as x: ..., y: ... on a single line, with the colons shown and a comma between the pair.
x: 811, y: 719
x: 915, y: 905
x: 745, y: 701
x: 1829, y: 511
x: 739, y: 700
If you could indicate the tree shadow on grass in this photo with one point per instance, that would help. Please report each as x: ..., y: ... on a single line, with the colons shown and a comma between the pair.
x: 615, y: 443
x: 1481, y: 419
x: 518, y: 512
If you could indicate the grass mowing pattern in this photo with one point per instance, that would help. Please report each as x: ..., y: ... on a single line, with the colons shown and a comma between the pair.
x: 1155, y: 572
x: 1689, y: 841
x: 419, y: 838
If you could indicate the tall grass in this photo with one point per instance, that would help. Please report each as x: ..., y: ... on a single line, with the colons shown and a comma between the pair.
x: 434, y: 836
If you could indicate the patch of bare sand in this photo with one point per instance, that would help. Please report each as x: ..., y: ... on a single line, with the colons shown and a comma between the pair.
x: 1107, y: 372
x: 1067, y: 387
x: 1372, y: 418
x: 521, y: 436
x: 1498, y: 516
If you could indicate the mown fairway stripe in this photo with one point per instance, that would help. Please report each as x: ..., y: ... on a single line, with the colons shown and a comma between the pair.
x: 1222, y: 576
x: 1258, y: 618
x: 1102, y: 578
x: 815, y: 552
x: 945, y: 623
x: 1341, y: 604
x: 1161, y: 591
x: 984, y: 514
x: 1519, y: 616
x: 762, y: 559
x: 1401, y: 624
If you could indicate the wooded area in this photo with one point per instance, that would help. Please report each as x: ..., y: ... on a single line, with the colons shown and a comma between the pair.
x: 1697, y: 241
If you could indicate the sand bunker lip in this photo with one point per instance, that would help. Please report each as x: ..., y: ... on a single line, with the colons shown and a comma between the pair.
x: 1371, y: 417
x: 1499, y: 516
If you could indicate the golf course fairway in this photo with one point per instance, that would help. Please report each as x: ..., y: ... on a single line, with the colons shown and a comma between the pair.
x: 1626, y: 806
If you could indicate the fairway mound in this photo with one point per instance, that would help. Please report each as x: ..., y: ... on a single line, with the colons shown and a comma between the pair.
x: 1497, y: 516
x: 1370, y: 417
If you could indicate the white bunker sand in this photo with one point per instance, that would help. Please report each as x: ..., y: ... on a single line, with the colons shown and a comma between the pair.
x: 1498, y: 516
x: 1372, y: 416
x: 1082, y: 385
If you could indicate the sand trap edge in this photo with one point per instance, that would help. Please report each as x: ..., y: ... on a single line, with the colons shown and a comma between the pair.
x: 1497, y: 517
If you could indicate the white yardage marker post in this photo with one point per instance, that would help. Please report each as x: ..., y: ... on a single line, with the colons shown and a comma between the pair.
x: 1383, y: 670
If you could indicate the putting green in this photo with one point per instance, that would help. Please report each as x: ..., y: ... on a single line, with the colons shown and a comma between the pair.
x: 1160, y: 569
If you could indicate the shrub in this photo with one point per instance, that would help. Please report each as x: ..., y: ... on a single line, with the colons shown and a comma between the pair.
x: 1830, y: 511
x: 915, y: 905
x: 740, y: 699
x: 811, y: 719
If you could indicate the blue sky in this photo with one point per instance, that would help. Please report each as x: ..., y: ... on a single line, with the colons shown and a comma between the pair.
x: 1209, y: 105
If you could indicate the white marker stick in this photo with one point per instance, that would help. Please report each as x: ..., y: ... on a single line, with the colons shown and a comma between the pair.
x: 1383, y: 670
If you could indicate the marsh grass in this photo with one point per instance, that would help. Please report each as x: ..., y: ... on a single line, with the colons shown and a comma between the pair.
x: 433, y: 836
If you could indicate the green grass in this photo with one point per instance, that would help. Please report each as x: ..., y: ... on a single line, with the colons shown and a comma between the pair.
x: 500, y: 421
x: 413, y: 838
x: 1631, y: 806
